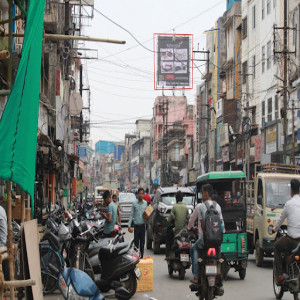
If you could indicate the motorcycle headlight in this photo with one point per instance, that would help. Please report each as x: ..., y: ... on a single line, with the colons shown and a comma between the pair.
x: 190, y: 211
x: 72, y: 294
x: 270, y: 229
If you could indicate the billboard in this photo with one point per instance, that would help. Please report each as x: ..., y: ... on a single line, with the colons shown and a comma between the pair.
x: 173, y: 67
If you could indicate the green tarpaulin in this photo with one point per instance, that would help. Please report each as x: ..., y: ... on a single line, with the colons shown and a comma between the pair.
x: 18, y: 125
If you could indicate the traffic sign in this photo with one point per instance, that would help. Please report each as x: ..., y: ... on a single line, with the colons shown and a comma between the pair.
x: 155, y: 181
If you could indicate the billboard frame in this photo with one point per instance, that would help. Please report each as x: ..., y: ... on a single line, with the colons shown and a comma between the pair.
x: 191, y: 55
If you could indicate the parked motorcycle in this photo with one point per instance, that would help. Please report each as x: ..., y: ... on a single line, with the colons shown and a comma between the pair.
x: 179, y: 257
x: 115, y: 264
x: 210, y: 278
x: 291, y: 268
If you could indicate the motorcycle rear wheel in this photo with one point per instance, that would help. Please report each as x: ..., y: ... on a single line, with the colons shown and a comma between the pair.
x: 210, y: 293
x: 278, y: 290
x: 181, y: 273
x: 170, y: 269
x: 296, y: 296
x: 131, y: 283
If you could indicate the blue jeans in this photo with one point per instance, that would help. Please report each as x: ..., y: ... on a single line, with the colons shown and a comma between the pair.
x: 195, y: 254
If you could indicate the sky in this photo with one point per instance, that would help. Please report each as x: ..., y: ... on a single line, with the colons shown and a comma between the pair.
x: 121, y: 79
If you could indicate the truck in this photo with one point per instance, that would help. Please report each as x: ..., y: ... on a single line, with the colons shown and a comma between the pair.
x: 265, y: 197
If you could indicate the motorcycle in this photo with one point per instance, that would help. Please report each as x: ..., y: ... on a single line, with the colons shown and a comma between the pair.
x: 114, y: 264
x: 291, y: 268
x: 210, y: 278
x: 179, y: 257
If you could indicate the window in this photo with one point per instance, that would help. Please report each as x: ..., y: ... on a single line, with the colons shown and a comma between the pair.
x: 276, y: 107
x: 269, y: 55
x: 245, y: 69
x: 268, y: 7
x: 269, y: 109
x: 253, y: 16
x: 244, y: 28
x: 263, y: 57
x: 262, y: 9
x: 295, y: 25
x: 263, y: 113
x: 253, y: 66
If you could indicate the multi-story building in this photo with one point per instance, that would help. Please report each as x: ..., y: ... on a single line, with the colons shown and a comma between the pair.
x: 261, y: 75
x: 172, y: 140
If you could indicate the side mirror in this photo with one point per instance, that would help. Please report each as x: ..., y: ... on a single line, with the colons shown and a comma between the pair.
x: 260, y: 200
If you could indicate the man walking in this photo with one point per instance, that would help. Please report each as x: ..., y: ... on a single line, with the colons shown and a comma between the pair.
x: 137, y: 210
x: 111, y: 215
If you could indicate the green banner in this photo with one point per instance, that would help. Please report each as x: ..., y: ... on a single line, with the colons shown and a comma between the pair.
x: 19, y: 122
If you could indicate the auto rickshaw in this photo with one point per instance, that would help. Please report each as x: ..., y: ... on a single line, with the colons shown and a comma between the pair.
x: 230, y: 194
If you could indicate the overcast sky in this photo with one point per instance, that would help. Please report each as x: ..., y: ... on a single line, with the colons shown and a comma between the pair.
x: 121, y: 80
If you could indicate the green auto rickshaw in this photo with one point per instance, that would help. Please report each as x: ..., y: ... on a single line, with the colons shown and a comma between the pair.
x: 229, y: 192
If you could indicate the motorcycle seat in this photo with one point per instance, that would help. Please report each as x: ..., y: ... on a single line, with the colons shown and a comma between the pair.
x: 96, y: 246
x: 112, y: 250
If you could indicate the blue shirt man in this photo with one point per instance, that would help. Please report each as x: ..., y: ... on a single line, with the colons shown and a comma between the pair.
x: 111, y: 215
x: 137, y: 210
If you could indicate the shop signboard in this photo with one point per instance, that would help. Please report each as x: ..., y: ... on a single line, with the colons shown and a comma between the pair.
x: 173, y: 67
x: 239, y: 153
x: 81, y: 164
x: 271, y: 139
x: 255, y: 150
x: 79, y: 186
x: 224, y: 135
x: 225, y: 154
x: 82, y: 152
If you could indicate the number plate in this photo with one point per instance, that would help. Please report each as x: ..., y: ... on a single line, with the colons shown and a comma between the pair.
x: 211, y: 270
x: 184, y: 257
x: 138, y: 272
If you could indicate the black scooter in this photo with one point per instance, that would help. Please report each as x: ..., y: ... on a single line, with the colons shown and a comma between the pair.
x: 115, y: 264
x: 179, y: 257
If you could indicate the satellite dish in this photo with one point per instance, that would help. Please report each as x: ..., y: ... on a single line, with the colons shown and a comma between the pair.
x: 76, y: 103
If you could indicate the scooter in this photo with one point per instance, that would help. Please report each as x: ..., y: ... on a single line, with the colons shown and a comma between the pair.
x: 210, y: 278
x: 179, y: 257
x: 115, y: 264
x: 74, y: 283
x: 291, y: 267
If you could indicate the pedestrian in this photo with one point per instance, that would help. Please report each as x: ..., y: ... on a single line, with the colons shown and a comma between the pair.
x: 137, y: 210
x: 115, y: 200
x: 3, y: 239
x: 147, y: 197
x: 111, y: 215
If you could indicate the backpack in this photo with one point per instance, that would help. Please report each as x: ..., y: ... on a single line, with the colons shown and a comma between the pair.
x: 212, y: 231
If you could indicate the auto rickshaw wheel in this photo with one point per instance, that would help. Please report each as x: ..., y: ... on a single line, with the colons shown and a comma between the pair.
x: 242, y: 273
x: 259, y: 254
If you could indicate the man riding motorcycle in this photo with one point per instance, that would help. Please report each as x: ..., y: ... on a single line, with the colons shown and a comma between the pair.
x: 291, y: 212
x: 199, y: 214
x: 179, y: 215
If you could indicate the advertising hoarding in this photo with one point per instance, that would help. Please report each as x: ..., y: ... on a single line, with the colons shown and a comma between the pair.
x: 173, y: 67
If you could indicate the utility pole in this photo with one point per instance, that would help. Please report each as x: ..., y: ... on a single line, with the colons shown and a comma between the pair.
x: 285, y: 53
x: 293, y: 132
x: 80, y: 91
x: 207, y: 97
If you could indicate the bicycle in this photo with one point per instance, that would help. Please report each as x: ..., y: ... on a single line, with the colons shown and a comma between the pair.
x: 51, y: 262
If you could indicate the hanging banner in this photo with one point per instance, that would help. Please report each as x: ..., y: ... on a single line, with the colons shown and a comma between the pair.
x: 173, y: 67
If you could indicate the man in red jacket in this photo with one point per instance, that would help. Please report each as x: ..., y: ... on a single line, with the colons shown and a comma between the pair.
x: 147, y: 196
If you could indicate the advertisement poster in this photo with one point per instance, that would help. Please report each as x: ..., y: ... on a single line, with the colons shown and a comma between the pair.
x: 173, y: 65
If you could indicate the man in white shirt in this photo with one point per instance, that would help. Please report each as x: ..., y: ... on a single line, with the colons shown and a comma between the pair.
x: 199, y: 214
x: 291, y: 212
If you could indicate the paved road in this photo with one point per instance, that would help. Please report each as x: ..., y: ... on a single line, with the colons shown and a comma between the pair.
x: 257, y: 284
